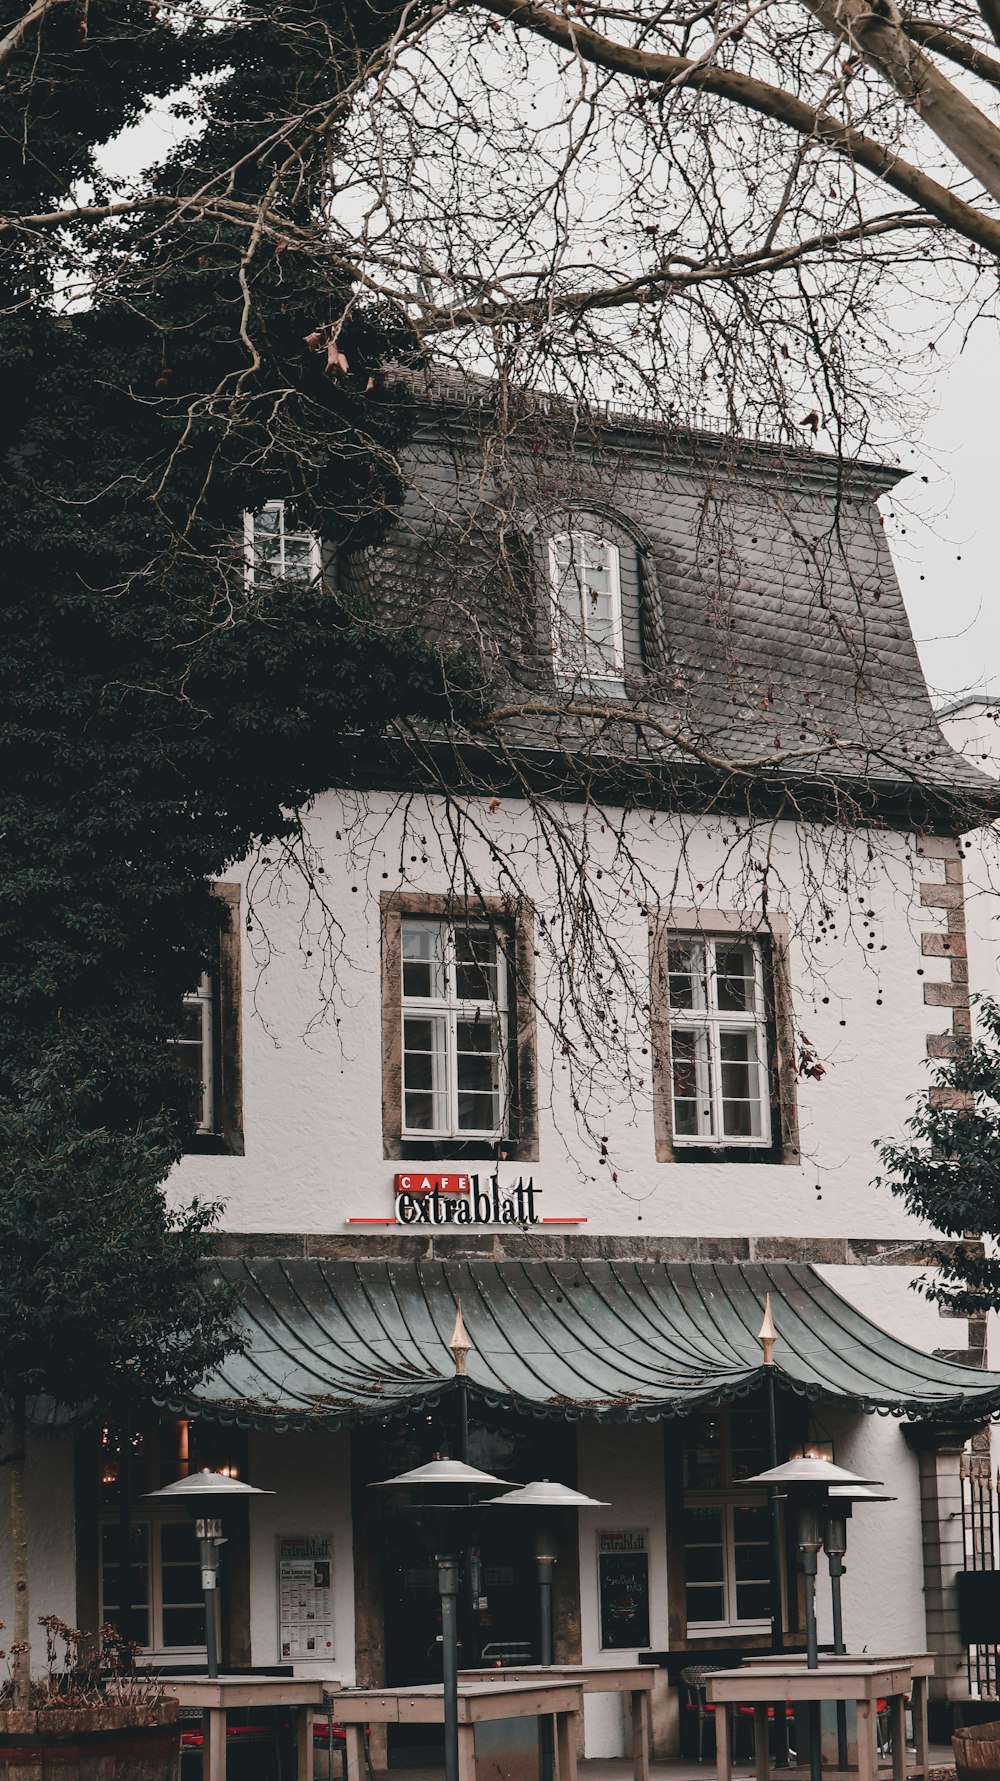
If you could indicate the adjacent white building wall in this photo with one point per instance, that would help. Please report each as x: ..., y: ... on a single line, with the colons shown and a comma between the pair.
x: 883, y: 1591
x: 310, y: 1475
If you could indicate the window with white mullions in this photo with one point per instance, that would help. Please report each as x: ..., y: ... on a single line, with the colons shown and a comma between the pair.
x: 278, y: 548
x: 726, y: 1532
x: 585, y: 573
x: 167, y: 1605
x: 718, y: 1041
x: 194, y: 1051
x: 727, y: 1561
x: 454, y: 1016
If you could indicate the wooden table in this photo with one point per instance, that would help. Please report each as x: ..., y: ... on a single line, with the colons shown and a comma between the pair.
x: 215, y: 1697
x: 921, y: 1667
x: 635, y: 1680
x: 478, y: 1703
x: 852, y: 1680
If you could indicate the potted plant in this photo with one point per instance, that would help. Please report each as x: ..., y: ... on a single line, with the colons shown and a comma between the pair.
x: 90, y: 1714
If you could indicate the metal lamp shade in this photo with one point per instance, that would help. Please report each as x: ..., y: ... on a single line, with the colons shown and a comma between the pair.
x: 437, y: 1474
x: 809, y: 1474
x: 445, y: 1512
x: 550, y: 1501
x: 206, y: 1491
x: 544, y: 1493
x: 858, y: 1493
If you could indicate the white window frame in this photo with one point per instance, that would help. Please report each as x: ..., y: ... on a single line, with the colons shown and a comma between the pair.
x: 153, y: 1525
x: 204, y: 998
x: 713, y: 1022
x: 601, y: 673
x: 452, y: 1010
x: 727, y: 1498
x: 284, y: 532
x: 727, y: 1505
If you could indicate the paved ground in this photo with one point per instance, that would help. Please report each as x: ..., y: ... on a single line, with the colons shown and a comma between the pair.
x: 609, y: 1769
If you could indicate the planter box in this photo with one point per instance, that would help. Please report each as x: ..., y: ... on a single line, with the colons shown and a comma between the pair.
x: 977, y: 1752
x: 109, y: 1743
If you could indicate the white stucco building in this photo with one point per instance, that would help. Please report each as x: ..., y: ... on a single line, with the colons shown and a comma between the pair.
x: 639, y: 994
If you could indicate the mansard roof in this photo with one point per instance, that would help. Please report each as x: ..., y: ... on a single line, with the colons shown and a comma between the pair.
x: 777, y: 659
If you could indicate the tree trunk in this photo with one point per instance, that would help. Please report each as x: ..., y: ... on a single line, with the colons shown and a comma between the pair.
x: 124, y: 1616
x: 21, y: 1668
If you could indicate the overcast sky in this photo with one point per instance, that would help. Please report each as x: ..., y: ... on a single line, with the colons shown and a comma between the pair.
x: 949, y: 560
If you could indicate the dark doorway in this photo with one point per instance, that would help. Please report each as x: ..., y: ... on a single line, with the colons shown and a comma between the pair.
x: 499, y: 1604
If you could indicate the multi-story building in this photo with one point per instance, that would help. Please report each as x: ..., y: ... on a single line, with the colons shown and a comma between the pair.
x: 589, y: 1020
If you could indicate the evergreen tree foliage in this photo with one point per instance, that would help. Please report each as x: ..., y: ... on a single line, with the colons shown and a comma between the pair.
x: 163, y: 710
x: 948, y: 1172
x: 101, y: 1298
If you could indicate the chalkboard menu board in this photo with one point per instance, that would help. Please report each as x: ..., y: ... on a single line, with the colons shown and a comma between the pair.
x: 623, y: 1588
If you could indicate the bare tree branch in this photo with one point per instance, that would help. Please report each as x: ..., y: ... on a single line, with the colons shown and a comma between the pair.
x: 957, y: 49
x: 653, y: 285
x: 12, y: 40
x: 956, y: 121
x: 770, y: 101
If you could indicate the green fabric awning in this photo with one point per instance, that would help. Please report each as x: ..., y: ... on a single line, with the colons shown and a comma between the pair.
x: 341, y: 1342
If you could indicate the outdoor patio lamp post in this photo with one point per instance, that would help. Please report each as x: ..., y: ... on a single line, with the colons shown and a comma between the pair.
x: 205, y: 1495
x: 444, y: 1515
x: 807, y: 1483
x: 551, y: 1501
x: 767, y: 1335
x: 840, y: 1502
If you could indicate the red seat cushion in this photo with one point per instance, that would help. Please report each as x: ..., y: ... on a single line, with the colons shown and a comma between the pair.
x: 194, y: 1740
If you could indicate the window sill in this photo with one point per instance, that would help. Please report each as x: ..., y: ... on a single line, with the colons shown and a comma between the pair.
x: 176, y: 1656
x: 210, y: 1144
x: 588, y: 691
x: 439, y: 1150
x: 684, y: 1152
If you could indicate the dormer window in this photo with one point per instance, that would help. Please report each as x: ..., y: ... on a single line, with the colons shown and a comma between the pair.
x: 278, y: 548
x: 587, y: 641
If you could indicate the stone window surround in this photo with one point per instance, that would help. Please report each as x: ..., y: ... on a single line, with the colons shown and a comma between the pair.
x: 773, y: 930
x: 517, y: 921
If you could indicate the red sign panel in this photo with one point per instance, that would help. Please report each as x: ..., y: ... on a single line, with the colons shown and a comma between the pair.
x: 416, y: 1183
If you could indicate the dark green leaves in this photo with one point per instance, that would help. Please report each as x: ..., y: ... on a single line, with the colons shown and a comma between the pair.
x: 949, y: 1172
x: 160, y: 715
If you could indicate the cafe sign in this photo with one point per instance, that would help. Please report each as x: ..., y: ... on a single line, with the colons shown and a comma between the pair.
x: 421, y: 1199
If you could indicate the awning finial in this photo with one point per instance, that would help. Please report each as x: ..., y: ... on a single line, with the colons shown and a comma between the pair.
x: 767, y: 1335
x: 459, y: 1344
